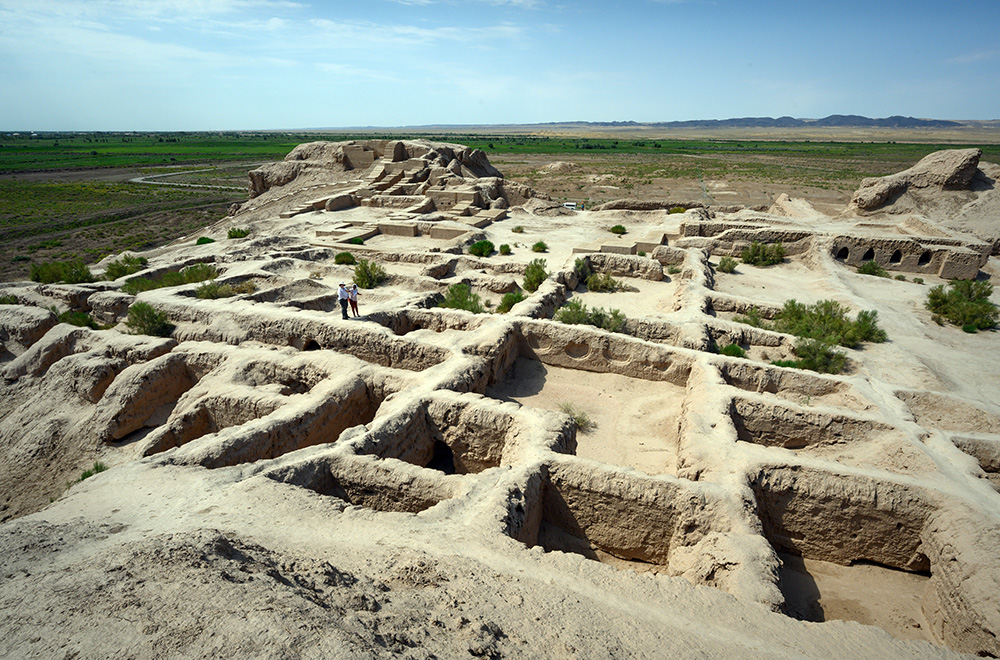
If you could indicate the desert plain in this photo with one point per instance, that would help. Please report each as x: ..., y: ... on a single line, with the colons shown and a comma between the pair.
x: 284, y: 482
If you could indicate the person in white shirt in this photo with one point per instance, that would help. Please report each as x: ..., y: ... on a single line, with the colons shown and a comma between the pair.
x: 343, y: 296
x: 352, y: 297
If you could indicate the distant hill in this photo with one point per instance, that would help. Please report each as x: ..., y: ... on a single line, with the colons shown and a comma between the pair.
x: 895, y: 121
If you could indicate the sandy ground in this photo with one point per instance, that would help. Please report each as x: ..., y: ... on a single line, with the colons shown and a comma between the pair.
x: 635, y: 422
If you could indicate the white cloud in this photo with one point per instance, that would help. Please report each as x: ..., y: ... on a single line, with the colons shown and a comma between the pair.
x: 978, y: 56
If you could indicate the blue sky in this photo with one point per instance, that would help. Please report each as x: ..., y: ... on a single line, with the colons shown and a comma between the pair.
x: 276, y: 64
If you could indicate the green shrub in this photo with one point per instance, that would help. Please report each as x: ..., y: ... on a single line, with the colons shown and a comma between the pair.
x: 677, y: 209
x: 575, y: 312
x: 641, y: 253
x: 460, y: 296
x: 581, y: 267
x: 540, y: 246
x: 213, y: 290
x: 761, y: 255
x: 901, y: 278
x: 918, y: 280
x: 727, y: 265
x: 534, y: 275
x: 970, y: 328
x: 618, y: 229
x: 481, y: 248
x: 752, y: 317
x: 602, y: 283
x: 344, y: 259
x: 237, y: 232
x: 673, y: 270
x: 508, y: 301
x: 19, y: 258
x: 368, y: 274
x: 965, y: 303
x: 872, y: 268
x: 9, y: 300
x: 580, y: 419
x: 518, y: 229
x: 504, y: 249
x: 127, y: 265
x: 70, y: 272
x: 204, y: 240
x: 144, y: 319
x: 820, y: 356
x: 81, y: 319
x: 357, y: 240
x: 828, y: 322
x: 86, y: 474
x: 733, y: 350
x: 189, y: 275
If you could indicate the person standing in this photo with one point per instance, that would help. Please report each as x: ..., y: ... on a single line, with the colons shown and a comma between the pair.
x: 352, y: 297
x: 343, y: 295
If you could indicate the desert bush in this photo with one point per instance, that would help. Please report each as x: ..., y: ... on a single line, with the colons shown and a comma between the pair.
x: 733, y: 350
x: 481, y: 248
x: 237, y: 232
x: 504, y: 249
x: 602, y: 283
x: 872, y: 268
x: 9, y: 300
x: 901, y: 278
x: 189, y: 275
x: 761, y: 255
x: 575, y: 312
x: 213, y: 290
x: 727, y: 265
x: 540, y: 246
x: 673, y: 270
x: 828, y: 321
x: 918, y: 280
x: 677, y: 209
x: 580, y: 419
x: 534, y: 275
x: 368, y: 274
x: 127, y: 265
x: 460, y: 296
x: 582, y: 269
x: 204, y: 240
x: 508, y: 301
x: 144, y: 319
x: 88, y: 473
x: 964, y: 303
x: 19, y: 258
x: 819, y: 356
x: 357, y: 240
x: 81, y: 319
x: 641, y: 253
x: 752, y: 317
x: 70, y: 272
x: 618, y: 229
x: 518, y: 229
x: 344, y: 259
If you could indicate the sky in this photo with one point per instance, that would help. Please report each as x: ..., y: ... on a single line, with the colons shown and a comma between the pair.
x: 169, y: 65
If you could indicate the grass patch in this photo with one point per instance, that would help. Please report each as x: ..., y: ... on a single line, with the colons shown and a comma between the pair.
x: 727, y: 265
x: 73, y: 271
x: 575, y: 312
x: 816, y: 356
x: 481, y: 248
x: 144, y: 319
x: 237, y: 232
x: 872, y: 268
x: 213, y: 290
x: 504, y: 249
x: 964, y: 303
x: 89, y: 472
x: 673, y: 270
x: 534, y: 275
x: 602, y: 283
x: 733, y: 350
x: 540, y: 246
x: 368, y: 274
x: 618, y: 229
x: 204, y: 240
x: 9, y: 300
x: 580, y: 419
x: 460, y: 296
x: 762, y: 255
x: 127, y: 265
x: 79, y: 319
x: 344, y: 259
x: 509, y: 300
x: 518, y: 229
x: 189, y: 275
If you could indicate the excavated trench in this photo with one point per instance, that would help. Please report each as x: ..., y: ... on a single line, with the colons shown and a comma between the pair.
x: 791, y: 384
x: 764, y: 423
x: 850, y: 546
